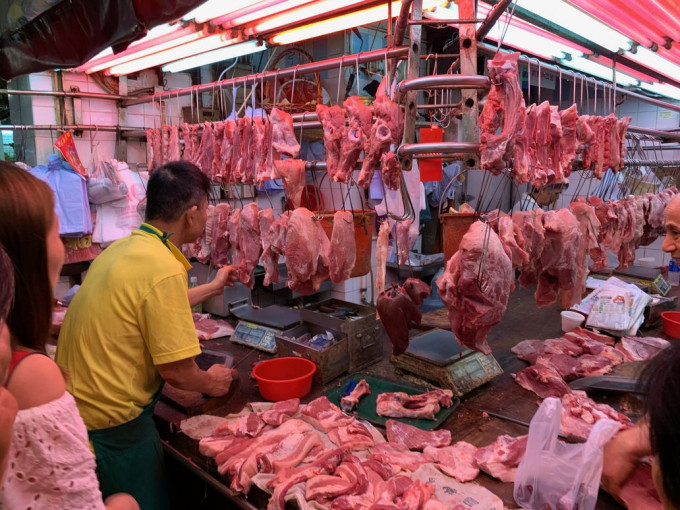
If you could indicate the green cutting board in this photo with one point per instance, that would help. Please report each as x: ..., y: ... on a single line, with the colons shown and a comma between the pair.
x: 378, y: 385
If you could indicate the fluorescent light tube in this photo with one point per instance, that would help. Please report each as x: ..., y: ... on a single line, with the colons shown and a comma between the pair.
x: 226, y: 53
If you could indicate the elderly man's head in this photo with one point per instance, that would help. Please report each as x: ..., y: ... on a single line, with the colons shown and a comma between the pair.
x: 671, y: 243
x: 549, y: 194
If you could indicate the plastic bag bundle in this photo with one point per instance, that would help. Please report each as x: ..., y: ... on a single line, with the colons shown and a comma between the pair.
x: 105, y: 184
x: 558, y: 475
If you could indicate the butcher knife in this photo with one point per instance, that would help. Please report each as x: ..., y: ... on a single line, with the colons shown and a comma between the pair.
x: 608, y: 383
x: 567, y: 438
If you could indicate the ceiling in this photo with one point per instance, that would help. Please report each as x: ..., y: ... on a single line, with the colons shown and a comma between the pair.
x: 590, y: 36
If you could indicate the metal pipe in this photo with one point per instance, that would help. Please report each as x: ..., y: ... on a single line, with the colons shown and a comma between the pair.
x: 443, y: 21
x: 313, y: 67
x: 444, y: 81
x: 444, y: 148
x: 654, y: 132
x: 58, y: 93
x: 651, y: 162
x: 69, y: 127
x: 492, y: 49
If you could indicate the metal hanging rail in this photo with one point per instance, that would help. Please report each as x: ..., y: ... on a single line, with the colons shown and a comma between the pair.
x: 654, y: 132
x: 444, y: 81
x: 437, y: 149
x: 324, y: 65
x: 66, y: 127
x: 58, y: 93
x: 651, y: 162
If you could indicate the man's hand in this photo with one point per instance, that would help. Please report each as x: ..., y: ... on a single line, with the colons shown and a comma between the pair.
x: 621, y: 456
x: 225, y: 277
x: 220, y: 378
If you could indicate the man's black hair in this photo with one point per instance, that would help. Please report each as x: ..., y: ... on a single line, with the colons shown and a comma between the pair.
x: 661, y: 379
x: 173, y: 188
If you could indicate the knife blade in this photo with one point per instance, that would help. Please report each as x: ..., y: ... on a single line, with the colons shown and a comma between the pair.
x: 567, y: 438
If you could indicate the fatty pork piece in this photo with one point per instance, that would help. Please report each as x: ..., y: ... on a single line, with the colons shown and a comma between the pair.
x: 558, y: 263
x: 513, y: 241
x: 307, y: 252
x: 173, y: 144
x: 641, y: 349
x: 343, y: 247
x: 250, y: 244
x: 414, y: 438
x: 542, y: 380
x: 501, y: 458
x: 250, y: 424
x: 348, y: 479
x: 381, y: 258
x: 188, y: 154
x: 403, y: 241
x: 281, y: 411
x: 287, y: 478
x: 579, y: 414
x: 324, y: 415
x: 260, y: 146
x: 501, y: 110
x: 234, y: 235
x: 225, y: 158
x: 398, y: 313
x: 273, y: 246
x: 292, y: 171
x: 476, y: 285
x: 219, y: 247
x: 379, y: 143
x: 403, y: 405
x: 283, y: 136
x: 333, y: 123
x: 350, y: 149
x: 354, y: 436
x: 288, y: 453
x: 391, y: 170
x: 389, y: 112
x: 204, y: 158
x: 457, y: 461
x: 349, y: 402
x: 398, y: 456
x: 521, y: 155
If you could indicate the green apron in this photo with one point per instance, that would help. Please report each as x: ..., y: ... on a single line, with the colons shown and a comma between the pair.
x: 130, y: 459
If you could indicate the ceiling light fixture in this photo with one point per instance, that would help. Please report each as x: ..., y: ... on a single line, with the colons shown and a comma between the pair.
x: 210, y: 57
x: 212, y: 42
x: 252, y: 13
x: 588, y: 66
x: 663, y: 89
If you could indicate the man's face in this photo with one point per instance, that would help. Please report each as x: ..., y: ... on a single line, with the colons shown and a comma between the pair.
x: 548, y: 195
x: 671, y: 243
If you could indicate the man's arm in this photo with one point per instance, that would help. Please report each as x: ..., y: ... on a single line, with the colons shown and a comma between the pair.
x: 186, y: 375
x: 224, y: 278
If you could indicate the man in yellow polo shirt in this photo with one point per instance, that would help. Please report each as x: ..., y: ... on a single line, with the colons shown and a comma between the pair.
x: 129, y: 328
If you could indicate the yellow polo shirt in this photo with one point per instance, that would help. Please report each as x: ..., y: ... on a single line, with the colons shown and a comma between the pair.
x: 131, y: 313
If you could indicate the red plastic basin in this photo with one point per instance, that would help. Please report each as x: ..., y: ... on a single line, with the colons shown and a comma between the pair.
x: 284, y: 378
x: 671, y: 323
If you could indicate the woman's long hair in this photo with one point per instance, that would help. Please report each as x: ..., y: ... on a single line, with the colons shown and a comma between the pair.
x: 661, y: 381
x: 26, y: 215
x: 6, y: 285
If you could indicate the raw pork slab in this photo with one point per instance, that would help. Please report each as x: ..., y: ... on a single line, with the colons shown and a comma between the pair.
x: 457, y: 461
x: 414, y: 438
x: 543, y: 381
x: 501, y: 458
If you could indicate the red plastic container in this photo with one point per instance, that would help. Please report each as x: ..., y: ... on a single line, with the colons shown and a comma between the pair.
x: 671, y: 323
x: 284, y: 378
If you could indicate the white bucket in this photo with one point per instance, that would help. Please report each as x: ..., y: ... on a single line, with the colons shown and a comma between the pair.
x: 647, y: 262
x: 570, y: 320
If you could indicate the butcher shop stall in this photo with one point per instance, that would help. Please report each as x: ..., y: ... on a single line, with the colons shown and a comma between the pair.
x: 447, y: 218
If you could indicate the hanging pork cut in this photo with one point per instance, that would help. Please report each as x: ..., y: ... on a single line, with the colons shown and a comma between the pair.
x: 273, y: 246
x: 292, y: 171
x: 234, y: 236
x: 531, y: 230
x: 173, y: 144
x: 569, y: 141
x: 189, y: 150
x: 522, y: 170
x: 379, y: 143
x: 149, y: 150
x: 381, y: 257
x: 343, y: 246
x: 391, y: 170
x: 226, y: 153
x: 476, y: 285
x: 218, y: 133
x: 219, y: 250
x: 204, y: 156
x: 282, y: 135
x: 390, y: 113
x: 250, y: 244
x: 261, y: 143
x: 350, y: 149
x: 333, y: 123
x: 501, y: 110
x: 307, y: 252
x: 356, y: 109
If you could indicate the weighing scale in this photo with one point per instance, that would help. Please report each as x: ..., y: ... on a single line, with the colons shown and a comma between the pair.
x: 258, y: 327
x: 438, y: 357
x: 648, y: 279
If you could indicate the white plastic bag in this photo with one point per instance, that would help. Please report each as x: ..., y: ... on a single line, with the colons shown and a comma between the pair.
x: 557, y: 475
x: 104, y: 184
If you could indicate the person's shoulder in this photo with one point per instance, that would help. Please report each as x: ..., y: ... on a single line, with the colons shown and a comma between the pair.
x: 36, y: 381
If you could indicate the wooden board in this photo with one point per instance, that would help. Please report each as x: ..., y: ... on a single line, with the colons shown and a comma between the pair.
x: 378, y: 385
